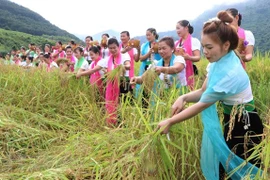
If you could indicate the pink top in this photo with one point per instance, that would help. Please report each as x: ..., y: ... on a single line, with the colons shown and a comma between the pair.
x: 96, y: 78
x: 112, y: 92
x: 17, y: 62
x: 72, y: 60
x: 189, y: 64
x: 242, y: 35
x: 61, y: 54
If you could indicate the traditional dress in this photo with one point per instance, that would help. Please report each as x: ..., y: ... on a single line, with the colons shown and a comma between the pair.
x: 96, y: 78
x: 178, y: 79
x: 248, y: 39
x: 72, y: 59
x: 86, y: 51
x: 145, y: 64
x: 113, y: 87
x: 61, y: 54
x: 165, y: 82
x: 189, y: 45
x: 81, y: 64
x: 24, y: 64
x: 105, y: 53
x: 226, y: 79
x: 132, y: 54
x: 51, y: 65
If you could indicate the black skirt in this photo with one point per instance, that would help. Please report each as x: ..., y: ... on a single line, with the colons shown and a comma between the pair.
x: 126, y: 90
x: 238, y: 144
x: 125, y: 86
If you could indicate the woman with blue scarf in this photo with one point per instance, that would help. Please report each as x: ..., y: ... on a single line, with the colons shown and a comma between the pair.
x: 148, y: 54
x: 227, y: 82
x: 170, y: 68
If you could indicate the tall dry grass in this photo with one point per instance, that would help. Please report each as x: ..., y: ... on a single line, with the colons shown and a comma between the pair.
x: 53, y: 126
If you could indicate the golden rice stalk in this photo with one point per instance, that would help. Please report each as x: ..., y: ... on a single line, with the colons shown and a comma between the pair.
x: 232, y: 122
x: 149, y: 161
x: 115, y: 74
x: 62, y: 62
x: 148, y: 79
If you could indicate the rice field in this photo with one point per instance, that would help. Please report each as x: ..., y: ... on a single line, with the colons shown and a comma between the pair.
x: 53, y: 126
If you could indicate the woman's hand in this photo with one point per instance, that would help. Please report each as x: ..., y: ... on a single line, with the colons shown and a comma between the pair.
x: 133, y: 80
x: 151, y: 50
x: 178, y: 106
x: 165, y: 126
x: 246, y: 57
x: 104, y: 70
x: 158, y: 69
x: 186, y: 56
x: 128, y: 48
x: 78, y: 75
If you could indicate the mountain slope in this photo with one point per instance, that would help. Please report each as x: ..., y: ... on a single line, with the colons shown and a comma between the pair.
x: 18, y: 18
x: 14, y: 40
x: 255, y: 18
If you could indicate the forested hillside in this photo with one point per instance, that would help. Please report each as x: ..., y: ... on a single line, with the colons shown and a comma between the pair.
x: 14, y: 40
x: 34, y: 28
x: 18, y: 18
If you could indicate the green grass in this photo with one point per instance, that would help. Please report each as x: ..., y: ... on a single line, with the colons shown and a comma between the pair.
x: 52, y: 127
x: 14, y: 39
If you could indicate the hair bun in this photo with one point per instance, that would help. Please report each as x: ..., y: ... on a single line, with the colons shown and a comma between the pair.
x: 225, y: 17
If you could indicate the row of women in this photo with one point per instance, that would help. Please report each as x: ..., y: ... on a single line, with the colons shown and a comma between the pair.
x: 226, y: 46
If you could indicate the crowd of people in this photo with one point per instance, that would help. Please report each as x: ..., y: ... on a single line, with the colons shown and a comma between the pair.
x: 226, y: 46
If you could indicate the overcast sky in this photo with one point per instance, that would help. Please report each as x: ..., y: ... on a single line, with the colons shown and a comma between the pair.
x: 88, y: 17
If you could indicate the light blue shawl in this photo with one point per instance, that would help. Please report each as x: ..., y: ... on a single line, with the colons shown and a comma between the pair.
x: 173, y: 77
x: 226, y: 77
x: 144, y: 50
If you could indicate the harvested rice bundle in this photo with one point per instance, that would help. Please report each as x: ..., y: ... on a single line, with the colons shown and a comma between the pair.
x: 149, y: 78
x: 62, y: 63
x: 115, y: 74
